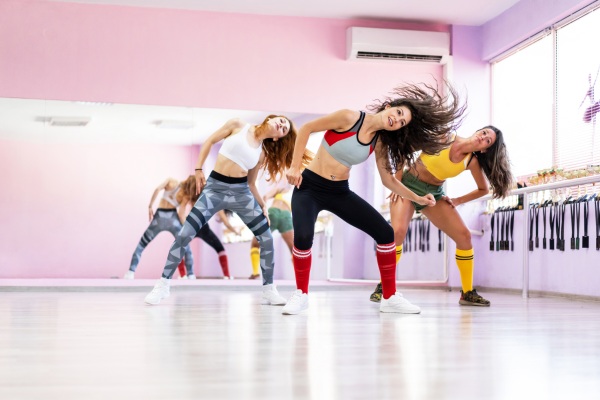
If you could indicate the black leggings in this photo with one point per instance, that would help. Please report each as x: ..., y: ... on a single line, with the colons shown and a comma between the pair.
x: 211, y: 239
x: 317, y: 193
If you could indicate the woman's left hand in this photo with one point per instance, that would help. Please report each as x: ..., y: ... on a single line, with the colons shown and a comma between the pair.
x: 449, y: 201
x: 393, y: 197
x: 266, y: 214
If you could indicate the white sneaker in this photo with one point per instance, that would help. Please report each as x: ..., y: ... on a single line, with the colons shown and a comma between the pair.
x: 398, y: 304
x: 191, y: 276
x: 296, y: 304
x: 271, y: 296
x: 129, y: 275
x: 228, y: 277
x: 160, y: 291
x: 183, y: 277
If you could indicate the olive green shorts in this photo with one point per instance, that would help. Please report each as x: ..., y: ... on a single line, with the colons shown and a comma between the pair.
x: 281, y: 220
x: 421, y: 188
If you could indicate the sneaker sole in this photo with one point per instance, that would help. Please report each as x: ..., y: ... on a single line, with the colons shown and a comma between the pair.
x: 293, y: 313
x: 269, y: 303
x: 375, y: 300
x: 469, y: 303
x: 158, y: 302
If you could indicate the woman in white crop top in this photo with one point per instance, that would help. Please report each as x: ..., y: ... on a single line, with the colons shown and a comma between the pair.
x: 247, y: 148
x: 169, y: 216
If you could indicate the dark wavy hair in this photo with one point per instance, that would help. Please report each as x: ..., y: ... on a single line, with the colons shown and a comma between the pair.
x: 496, y: 165
x: 434, y: 116
x: 279, y: 154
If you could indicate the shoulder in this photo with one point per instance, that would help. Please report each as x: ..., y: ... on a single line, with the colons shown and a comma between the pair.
x: 171, y: 183
x: 235, y: 124
x: 339, y: 120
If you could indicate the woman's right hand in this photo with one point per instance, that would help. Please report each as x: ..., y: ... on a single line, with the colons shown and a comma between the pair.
x: 427, y: 200
x: 150, y: 213
x: 294, y: 177
x: 200, y: 181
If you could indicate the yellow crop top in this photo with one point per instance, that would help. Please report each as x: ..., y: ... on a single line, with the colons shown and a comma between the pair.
x: 441, y: 167
x: 279, y: 196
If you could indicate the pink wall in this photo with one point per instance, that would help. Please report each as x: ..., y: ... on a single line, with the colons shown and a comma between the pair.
x: 78, y: 211
x: 62, y: 51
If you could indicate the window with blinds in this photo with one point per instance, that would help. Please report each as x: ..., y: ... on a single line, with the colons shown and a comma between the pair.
x: 577, y: 141
x: 522, y: 105
x: 561, y: 70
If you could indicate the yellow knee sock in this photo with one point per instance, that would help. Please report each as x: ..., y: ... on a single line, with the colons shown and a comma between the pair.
x: 398, y: 253
x: 255, y: 258
x: 466, y: 265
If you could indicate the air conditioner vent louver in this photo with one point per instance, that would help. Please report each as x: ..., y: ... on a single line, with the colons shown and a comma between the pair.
x: 397, y: 45
x: 393, y: 56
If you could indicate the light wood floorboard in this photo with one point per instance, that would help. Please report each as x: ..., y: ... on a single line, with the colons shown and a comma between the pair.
x: 209, y: 344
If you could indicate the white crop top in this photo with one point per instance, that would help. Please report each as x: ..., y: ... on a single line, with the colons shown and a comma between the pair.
x: 237, y: 149
x: 170, y: 196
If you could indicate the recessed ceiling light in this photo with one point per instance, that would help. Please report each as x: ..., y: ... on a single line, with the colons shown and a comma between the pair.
x: 64, y: 121
x: 173, y: 124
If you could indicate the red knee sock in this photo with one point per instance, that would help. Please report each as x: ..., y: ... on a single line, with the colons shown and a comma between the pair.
x: 386, y: 260
x: 224, y: 264
x: 302, y: 262
x: 181, y: 268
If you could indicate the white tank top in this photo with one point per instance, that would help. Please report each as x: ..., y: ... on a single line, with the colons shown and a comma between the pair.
x: 237, y: 149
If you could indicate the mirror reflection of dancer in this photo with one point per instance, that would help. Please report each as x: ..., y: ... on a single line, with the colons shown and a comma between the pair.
x: 169, y: 216
x: 484, y: 155
x: 416, y: 119
x: 280, y: 218
x: 232, y: 185
x: 211, y: 239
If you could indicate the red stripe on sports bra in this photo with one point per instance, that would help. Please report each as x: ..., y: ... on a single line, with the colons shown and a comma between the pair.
x: 332, y: 137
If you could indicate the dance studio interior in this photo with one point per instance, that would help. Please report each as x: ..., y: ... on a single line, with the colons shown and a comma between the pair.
x: 106, y: 106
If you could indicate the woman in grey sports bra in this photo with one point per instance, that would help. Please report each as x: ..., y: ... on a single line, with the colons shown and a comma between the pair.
x: 417, y: 118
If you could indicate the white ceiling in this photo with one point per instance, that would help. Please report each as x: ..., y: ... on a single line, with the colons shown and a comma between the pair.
x: 455, y: 12
x: 23, y: 119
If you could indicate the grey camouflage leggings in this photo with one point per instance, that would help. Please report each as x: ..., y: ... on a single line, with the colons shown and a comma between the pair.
x: 222, y: 192
x: 165, y: 219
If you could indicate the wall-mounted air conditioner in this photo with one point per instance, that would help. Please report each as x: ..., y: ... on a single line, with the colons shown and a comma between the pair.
x: 400, y: 45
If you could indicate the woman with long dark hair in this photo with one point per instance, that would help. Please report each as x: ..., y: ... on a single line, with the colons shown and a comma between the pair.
x: 415, y: 118
x: 484, y: 155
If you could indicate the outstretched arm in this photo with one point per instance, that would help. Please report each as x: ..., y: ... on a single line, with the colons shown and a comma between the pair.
x: 252, y: 174
x: 339, y: 120
x: 225, y: 220
x: 230, y: 126
x: 480, y: 181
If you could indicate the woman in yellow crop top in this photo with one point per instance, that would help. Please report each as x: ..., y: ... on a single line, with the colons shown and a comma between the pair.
x: 484, y: 155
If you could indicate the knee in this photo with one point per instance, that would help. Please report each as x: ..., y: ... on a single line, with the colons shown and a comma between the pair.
x: 463, y: 239
x: 303, y: 241
x: 400, y: 233
x: 385, y: 235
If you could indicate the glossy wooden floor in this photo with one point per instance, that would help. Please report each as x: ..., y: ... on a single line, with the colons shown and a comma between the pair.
x: 221, y: 344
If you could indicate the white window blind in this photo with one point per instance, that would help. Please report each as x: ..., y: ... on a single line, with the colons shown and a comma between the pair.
x: 577, y: 101
x: 522, y: 105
